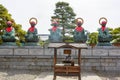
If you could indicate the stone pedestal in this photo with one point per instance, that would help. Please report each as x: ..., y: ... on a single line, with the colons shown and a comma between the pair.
x: 104, y: 44
x: 31, y: 44
x: 9, y: 44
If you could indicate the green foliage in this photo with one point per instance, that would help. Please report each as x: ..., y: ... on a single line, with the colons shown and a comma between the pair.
x: 69, y: 39
x: 44, y: 43
x: 18, y: 43
x: 110, y: 30
x: 66, y: 15
x: 1, y: 40
x: 20, y: 33
x: 41, y: 43
x: 93, y: 38
x: 4, y: 17
x: 116, y: 35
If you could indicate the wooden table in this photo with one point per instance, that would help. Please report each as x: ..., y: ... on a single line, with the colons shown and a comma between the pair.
x: 67, y: 70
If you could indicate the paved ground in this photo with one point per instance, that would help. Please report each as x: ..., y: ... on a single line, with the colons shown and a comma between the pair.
x: 37, y: 75
x: 109, y: 75
x: 85, y: 76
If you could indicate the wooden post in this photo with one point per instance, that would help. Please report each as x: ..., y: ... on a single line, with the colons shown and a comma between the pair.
x: 55, y: 61
x: 79, y: 63
x: 55, y: 56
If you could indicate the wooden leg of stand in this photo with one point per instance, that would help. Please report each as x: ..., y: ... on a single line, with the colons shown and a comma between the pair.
x: 79, y: 77
x: 54, y: 77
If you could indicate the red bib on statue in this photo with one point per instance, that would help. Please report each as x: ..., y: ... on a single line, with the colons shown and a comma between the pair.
x: 103, y: 28
x: 9, y: 29
x: 79, y: 29
x: 54, y: 29
x: 31, y: 29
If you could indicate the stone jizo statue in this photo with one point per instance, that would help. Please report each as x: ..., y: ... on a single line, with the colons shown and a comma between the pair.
x: 55, y: 33
x: 9, y: 33
x: 32, y: 31
x: 104, y: 37
x: 79, y: 32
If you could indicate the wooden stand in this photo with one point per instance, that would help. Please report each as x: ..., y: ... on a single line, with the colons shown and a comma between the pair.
x: 67, y: 70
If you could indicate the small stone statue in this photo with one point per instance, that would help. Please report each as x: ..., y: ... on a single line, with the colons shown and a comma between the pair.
x: 104, y: 36
x: 32, y: 31
x: 68, y: 60
x: 9, y: 33
x: 79, y: 32
x: 55, y: 33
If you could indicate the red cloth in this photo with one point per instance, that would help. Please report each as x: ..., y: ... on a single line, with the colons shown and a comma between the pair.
x: 54, y: 29
x: 104, y: 22
x: 103, y: 28
x: 79, y: 29
x: 9, y: 29
x: 31, y: 29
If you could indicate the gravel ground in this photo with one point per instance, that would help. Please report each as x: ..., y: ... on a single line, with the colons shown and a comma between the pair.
x: 11, y: 74
x: 109, y: 75
x: 18, y: 74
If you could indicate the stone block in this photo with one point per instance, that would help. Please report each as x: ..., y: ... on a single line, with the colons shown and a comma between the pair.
x: 86, y: 52
x: 100, y: 68
x: 86, y: 68
x: 6, y: 52
x: 94, y: 60
x: 20, y: 51
x: 118, y: 64
x: 107, y: 68
x: 104, y: 64
x: 102, y: 60
x: 60, y: 52
x: 36, y: 52
x: 48, y: 51
x: 34, y: 67
x: 112, y: 64
x: 96, y: 64
x: 114, y: 52
x: 108, y: 60
x: 100, y: 52
x: 88, y: 64
x: 74, y: 52
x: 117, y: 68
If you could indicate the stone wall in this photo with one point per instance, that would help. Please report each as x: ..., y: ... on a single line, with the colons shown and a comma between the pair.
x: 101, y: 58
x: 35, y: 57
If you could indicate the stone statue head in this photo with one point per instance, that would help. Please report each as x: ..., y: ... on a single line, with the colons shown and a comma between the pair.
x: 79, y: 22
x: 33, y: 21
x: 55, y: 24
x: 103, y: 21
x: 9, y: 23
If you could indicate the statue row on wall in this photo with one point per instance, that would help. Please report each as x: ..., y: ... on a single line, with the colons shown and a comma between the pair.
x: 31, y: 37
x: 55, y: 33
x: 79, y: 35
